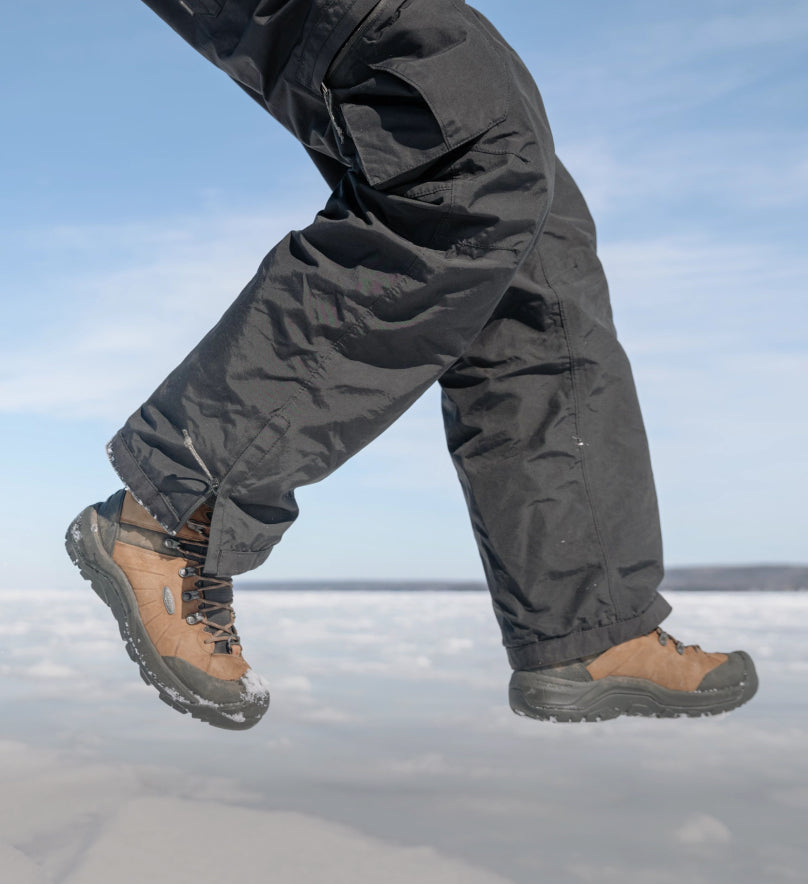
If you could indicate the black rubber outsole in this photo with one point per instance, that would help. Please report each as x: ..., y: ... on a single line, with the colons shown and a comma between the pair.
x: 110, y: 584
x: 547, y: 698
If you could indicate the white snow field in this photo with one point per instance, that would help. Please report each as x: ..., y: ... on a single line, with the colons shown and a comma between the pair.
x: 390, y: 755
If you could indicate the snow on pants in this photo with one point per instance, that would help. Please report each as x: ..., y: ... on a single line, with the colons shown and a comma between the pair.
x: 454, y: 248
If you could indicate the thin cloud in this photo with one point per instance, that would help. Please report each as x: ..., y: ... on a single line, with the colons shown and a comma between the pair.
x: 131, y: 323
x: 697, y: 176
x: 686, y: 60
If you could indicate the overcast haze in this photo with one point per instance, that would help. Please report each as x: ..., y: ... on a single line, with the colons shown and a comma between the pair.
x: 141, y: 189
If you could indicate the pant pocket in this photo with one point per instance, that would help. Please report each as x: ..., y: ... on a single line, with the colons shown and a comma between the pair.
x: 416, y: 81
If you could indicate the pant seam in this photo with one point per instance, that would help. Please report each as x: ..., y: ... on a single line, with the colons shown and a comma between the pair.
x: 579, y: 439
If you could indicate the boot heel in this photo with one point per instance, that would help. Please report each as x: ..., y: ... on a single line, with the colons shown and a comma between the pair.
x: 79, y: 555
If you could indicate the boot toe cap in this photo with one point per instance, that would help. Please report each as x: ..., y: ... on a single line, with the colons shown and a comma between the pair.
x: 243, y: 697
x: 737, y: 670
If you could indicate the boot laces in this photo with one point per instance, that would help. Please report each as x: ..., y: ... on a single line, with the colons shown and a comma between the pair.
x: 680, y: 646
x: 215, y: 611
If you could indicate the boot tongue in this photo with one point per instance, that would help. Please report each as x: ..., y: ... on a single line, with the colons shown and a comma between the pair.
x: 199, y: 526
x: 221, y: 616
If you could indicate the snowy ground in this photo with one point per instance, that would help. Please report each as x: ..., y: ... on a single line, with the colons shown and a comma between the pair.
x: 390, y: 755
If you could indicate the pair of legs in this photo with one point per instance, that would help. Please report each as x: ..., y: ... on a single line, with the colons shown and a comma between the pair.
x: 454, y: 248
x: 475, y: 267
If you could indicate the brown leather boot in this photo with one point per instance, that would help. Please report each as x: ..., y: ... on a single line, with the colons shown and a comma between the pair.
x: 177, y: 622
x: 652, y: 675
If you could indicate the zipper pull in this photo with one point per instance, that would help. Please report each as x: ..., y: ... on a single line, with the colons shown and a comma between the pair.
x: 329, y: 106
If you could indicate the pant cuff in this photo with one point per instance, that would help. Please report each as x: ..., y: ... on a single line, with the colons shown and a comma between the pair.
x: 144, y: 490
x: 550, y: 651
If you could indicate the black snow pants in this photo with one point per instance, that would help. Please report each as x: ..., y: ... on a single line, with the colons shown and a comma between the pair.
x: 454, y: 248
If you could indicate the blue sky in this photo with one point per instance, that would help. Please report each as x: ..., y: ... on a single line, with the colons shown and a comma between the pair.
x: 140, y: 190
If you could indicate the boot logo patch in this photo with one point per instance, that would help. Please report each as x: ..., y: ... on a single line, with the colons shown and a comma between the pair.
x: 168, y: 600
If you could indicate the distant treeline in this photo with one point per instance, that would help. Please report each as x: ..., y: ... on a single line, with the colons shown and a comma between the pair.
x: 765, y: 578
x: 748, y: 578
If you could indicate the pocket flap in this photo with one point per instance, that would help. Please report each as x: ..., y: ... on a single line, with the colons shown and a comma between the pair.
x: 461, y: 78
x: 418, y: 84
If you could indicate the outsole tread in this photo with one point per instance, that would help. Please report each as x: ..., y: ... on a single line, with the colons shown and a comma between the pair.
x: 610, y: 702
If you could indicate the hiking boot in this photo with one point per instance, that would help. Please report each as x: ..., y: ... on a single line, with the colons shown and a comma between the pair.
x: 176, y: 621
x: 653, y: 675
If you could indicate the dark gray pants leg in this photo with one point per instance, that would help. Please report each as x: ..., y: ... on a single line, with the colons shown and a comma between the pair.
x: 545, y: 431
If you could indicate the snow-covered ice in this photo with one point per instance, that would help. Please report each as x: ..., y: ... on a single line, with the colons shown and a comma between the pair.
x: 389, y: 754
